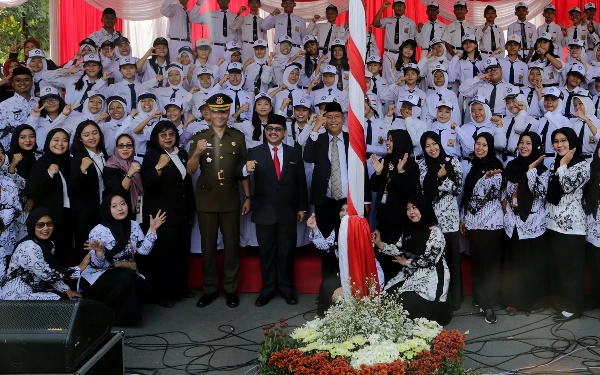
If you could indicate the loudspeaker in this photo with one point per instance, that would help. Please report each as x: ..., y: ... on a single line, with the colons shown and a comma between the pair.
x: 50, y: 336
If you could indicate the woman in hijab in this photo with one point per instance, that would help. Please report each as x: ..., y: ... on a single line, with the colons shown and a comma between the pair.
x: 113, y: 242
x: 482, y: 223
x: 144, y: 122
x: 441, y: 183
x: 34, y: 272
x: 36, y: 62
x: 439, y: 89
x: 6, y: 89
x: 517, y: 121
x: 121, y: 175
x: 291, y: 78
x: 48, y: 185
x: 591, y: 197
x: 87, y: 185
x: 566, y: 222
x: 552, y: 120
x: 119, y: 122
x: 173, y: 88
x: 524, y: 277
x: 586, y: 124
x: 10, y: 214
x: 168, y: 188
x: 423, y: 279
x: 22, y: 154
x: 396, y: 178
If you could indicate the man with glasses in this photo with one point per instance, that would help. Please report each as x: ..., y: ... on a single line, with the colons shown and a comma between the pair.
x: 218, y: 151
x: 281, y: 201
x: 15, y: 110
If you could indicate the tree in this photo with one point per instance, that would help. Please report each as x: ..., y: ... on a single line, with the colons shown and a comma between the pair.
x: 28, y: 20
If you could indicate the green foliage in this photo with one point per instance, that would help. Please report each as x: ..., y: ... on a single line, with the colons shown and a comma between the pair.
x: 14, y: 31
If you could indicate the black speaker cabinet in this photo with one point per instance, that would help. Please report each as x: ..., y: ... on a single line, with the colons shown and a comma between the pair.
x: 50, y: 336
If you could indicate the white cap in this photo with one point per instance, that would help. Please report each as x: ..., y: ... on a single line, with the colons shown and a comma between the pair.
x: 589, y: 5
x: 285, y: 38
x: 434, y: 41
x: 411, y: 66
x: 174, y: 66
x: 174, y: 101
x: 308, y: 38
x: 444, y: 103
x: 439, y: 67
x: 514, y: 38
x: 433, y: 4
x: 544, y: 35
x: 329, y: 69
x: 304, y: 101
x: 338, y: 42
x: 96, y: 92
x: 577, y: 68
x: 205, y: 70
x: 550, y: 6
x: 231, y: 45
x: 92, y: 57
x: 470, y: 37
x: 261, y: 95
x: 479, y: 99
x: 48, y: 91
x: 461, y: 3
x: 234, y: 66
x: 399, y: 1
x: 411, y: 99
x: 324, y: 99
x: 260, y: 43
x: 490, y: 62
x: 575, y: 9
x: 36, y: 52
x: 576, y: 42
x: 203, y: 42
x: 552, y: 91
x: 521, y: 4
x: 373, y: 59
x: 126, y: 61
x: 537, y: 64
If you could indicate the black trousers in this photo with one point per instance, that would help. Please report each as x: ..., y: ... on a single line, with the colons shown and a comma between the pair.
x: 62, y: 236
x: 455, y: 289
x: 83, y: 223
x: 524, y: 281
x: 486, y: 260
x: 122, y: 290
x: 326, y: 289
x: 276, y: 244
x: 592, y: 262
x: 566, y: 265
x: 328, y: 219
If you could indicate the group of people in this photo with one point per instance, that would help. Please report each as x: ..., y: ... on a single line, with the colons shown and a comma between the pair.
x: 128, y: 163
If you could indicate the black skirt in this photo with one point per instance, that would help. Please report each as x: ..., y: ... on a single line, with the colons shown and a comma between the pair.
x: 566, y: 264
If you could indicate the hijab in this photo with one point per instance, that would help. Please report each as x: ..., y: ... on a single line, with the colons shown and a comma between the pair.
x: 555, y: 190
x: 416, y: 235
x: 431, y: 183
x: 402, y: 144
x: 488, y: 116
x: 142, y: 115
x: 286, y: 76
x: 179, y: 68
x: 591, y: 192
x: 29, y: 156
x: 85, y: 111
x: 63, y: 161
x: 37, y: 77
x: 115, y: 161
x: 479, y: 167
x: 46, y: 245
x: 120, y: 229
x: 516, y: 172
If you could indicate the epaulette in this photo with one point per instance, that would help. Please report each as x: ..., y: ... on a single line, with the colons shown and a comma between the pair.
x: 235, y: 129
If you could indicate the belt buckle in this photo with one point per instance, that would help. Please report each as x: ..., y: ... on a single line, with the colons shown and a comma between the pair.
x: 220, y: 175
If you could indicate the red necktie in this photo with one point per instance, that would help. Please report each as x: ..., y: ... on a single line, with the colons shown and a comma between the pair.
x: 276, y: 163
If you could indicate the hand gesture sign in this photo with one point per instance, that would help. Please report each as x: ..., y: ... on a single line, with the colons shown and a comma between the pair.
x: 97, y: 246
x: 16, y: 159
x: 376, y: 164
x: 391, y: 109
x: 386, y: 4
x: 537, y: 162
x: 312, y: 222
x: 158, y: 220
x: 497, y: 120
x: 36, y: 112
x: 402, y: 163
x: 316, y: 18
x: 250, y: 166
x: 85, y: 163
x: 493, y: 172
x: 568, y: 157
x: 521, y: 106
x: 275, y: 12
x: 69, y: 108
x: 201, y: 145
x: 442, y: 172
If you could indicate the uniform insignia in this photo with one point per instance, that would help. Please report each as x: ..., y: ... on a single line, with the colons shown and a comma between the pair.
x: 447, y: 159
x: 233, y: 144
x: 380, y: 140
x: 208, y: 160
x: 297, y: 28
x: 220, y: 100
x: 592, y: 141
x: 406, y: 30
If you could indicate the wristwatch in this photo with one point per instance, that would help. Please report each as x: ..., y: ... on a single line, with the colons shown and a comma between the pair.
x: 159, y: 167
x: 129, y: 176
x: 248, y: 197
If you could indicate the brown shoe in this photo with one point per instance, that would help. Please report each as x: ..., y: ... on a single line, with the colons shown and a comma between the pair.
x: 512, y: 311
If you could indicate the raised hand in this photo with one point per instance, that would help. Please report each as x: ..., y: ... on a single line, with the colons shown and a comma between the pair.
x: 521, y: 106
x: 402, y: 163
x: 376, y: 164
x: 69, y: 108
x: 53, y: 169
x: 493, y: 172
x: 134, y: 168
x: 134, y: 112
x: 201, y: 145
x: 386, y: 4
x: 442, y: 172
x: 497, y: 120
x: 85, y: 164
x: 568, y: 157
x: 316, y: 18
x: 157, y: 221
x: 97, y: 246
x: 16, y: 159
x: 275, y: 12
x: 377, y: 239
x: 242, y: 10
x: 164, y: 160
x: 312, y: 222
x: 391, y: 109
x: 106, y: 75
x: 537, y: 162
x: 36, y: 112
x: 250, y: 166
x: 244, y: 108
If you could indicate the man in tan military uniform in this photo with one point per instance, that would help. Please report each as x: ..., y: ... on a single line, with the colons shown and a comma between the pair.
x: 217, y: 151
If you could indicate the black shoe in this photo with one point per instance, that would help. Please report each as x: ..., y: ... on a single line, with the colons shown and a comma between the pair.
x: 560, y: 318
x: 232, y: 300
x: 188, y: 293
x: 166, y: 303
x: 291, y: 298
x: 262, y: 300
x: 207, y: 299
x: 475, y: 303
x: 490, y: 317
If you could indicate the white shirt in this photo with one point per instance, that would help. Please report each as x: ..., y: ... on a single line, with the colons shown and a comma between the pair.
x: 475, y: 86
x: 589, y: 40
x: 102, y: 35
x: 99, y: 162
x: 179, y: 20
x: 484, y: 39
x: 424, y: 36
x: 280, y: 23
x: 177, y: 162
x: 67, y: 81
x: 519, y: 71
x: 122, y: 89
x: 279, y: 154
x: 343, y: 163
x: 407, y: 30
x: 555, y: 33
x: 321, y: 30
x: 214, y: 20
x: 530, y: 34
x: 245, y: 25
x: 452, y: 33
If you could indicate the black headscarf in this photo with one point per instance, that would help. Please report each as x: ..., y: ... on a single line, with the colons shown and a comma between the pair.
x: 555, y: 190
x: 120, y: 229
x: 45, y: 245
x: 159, y: 127
x: 63, y: 161
x: 78, y: 146
x: 416, y: 235
x: 591, y: 192
x: 402, y: 144
x: 479, y: 167
x: 430, y: 182
x: 28, y: 155
x: 516, y: 172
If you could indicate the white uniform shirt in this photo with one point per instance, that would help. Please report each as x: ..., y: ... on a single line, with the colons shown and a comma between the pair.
x: 406, y: 30
x: 179, y: 20
x: 280, y: 24
x: 453, y: 34
x: 322, y: 30
x: 519, y: 71
x: 589, y: 40
x: 555, y: 32
x: 214, y: 20
x: 102, y: 35
x: 67, y: 81
x: 484, y: 39
x: 530, y: 35
x: 425, y: 35
x: 476, y: 86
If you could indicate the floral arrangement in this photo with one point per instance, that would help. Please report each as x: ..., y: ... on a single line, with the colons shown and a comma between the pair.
x: 363, y: 335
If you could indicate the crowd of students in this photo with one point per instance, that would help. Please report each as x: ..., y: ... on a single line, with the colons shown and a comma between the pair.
x: 499, y: 137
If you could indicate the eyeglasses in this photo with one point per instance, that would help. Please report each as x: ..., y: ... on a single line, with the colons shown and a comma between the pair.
x: 127, y: 146
x: 167, y: 135
x: 274, y: 129
x: 50, y: 101
x: 41, y: 224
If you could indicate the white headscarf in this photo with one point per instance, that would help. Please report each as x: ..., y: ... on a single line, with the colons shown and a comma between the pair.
x: 37, y: 77
x: 488, y: 116
x: 142, y: 115
x: 85, y: 111
x: 286, y: 74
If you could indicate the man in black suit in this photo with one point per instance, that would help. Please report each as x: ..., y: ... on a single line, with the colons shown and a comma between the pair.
x: 280, y: 201
x: 329, y: 188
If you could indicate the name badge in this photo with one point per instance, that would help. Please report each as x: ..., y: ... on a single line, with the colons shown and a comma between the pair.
x: 450, y: 142
x: 592, y: 140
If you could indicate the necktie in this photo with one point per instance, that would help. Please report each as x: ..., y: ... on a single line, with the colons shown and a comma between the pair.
x: 289, y: 25
x: 493, y: 98
x: 374, y: 87
x: 523, y: 39
x: 237, y: 99
x: 583, y: 126
x: 257, y: 80
x: 493, y: 38
x: 254, y: 29
x: 544, y: 133
x: 85, y: 94
x: 432, y: 32
x: 160, y: 71
x: 440, y: 132
x: 568, y: 105
x: 329, y: 91
x: 574, y: 32
x: 462, y: 30
x: 36, y: 87
x: 397, y: 32
x: 327, y: 39
x: 187, y: 24
x: 336, y: 173
x: 174, y: 93
x: 133, y: 95
x: 597, y: 103
x: 264, y: 138
x: 340, y: 82
x: 547, y: 28
x: 475, y: 69
x: 369, y: 139
x: 224, y: 23
x: 276, y: 163
x: 529, y: 97
x: 511, y: 76
x: 475, y: 133
x: 439, y: 96
x: 290, y: 106
x: 508, y: 132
